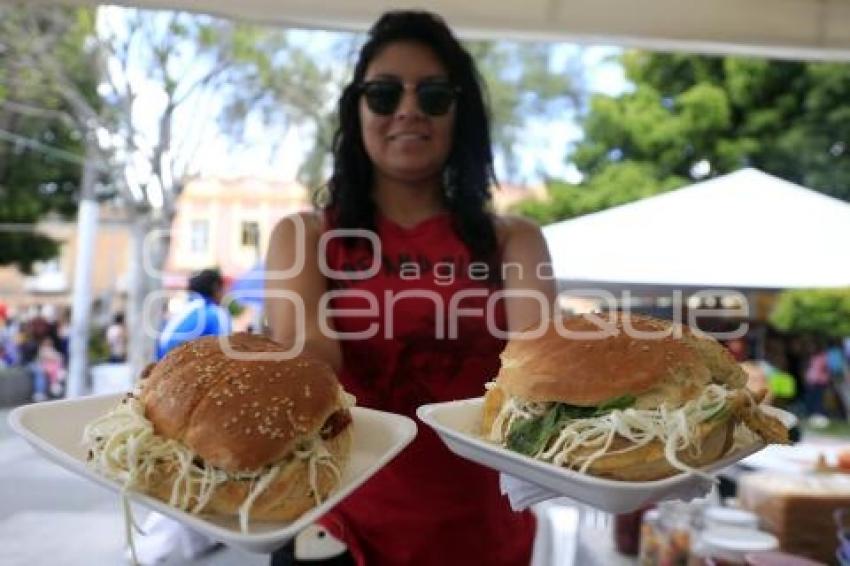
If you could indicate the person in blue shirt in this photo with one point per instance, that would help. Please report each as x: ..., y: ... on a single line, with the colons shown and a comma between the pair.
x: 202, y: 316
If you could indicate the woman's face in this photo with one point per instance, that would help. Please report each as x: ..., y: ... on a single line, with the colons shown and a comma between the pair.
x: 407, y: 144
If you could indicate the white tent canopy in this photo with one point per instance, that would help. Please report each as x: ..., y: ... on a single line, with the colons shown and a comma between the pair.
x: 798, y: 29
x: 745, y: 230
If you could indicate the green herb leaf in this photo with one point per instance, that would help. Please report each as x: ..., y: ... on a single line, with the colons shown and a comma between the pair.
x: 530, y: 436
x: 527, y: 435
x: 622, y: 402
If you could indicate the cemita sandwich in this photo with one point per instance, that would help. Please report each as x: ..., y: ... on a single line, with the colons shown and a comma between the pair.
x: 207, y: 433
x: 620, y: 405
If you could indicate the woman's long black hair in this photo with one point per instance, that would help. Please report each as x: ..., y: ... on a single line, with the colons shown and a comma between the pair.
x: 468, y: 171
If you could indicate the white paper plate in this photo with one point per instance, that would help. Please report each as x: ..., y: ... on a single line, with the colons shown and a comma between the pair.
x: 457, y: 423
x: 55, y: 429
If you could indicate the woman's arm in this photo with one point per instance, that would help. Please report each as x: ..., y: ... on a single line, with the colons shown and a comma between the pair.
x: 527, y: 266
x: 294, y: 236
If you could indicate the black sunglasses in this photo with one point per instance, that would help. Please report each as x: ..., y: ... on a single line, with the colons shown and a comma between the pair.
x: 383, y: 96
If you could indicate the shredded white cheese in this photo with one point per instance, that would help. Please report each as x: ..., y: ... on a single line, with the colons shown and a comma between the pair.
x: 675, y: 428
x: 512, y: 410
x: 124, y: 447
x: 256, y: 490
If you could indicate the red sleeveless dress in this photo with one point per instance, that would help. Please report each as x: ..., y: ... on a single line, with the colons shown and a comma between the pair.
x: 427, y: 506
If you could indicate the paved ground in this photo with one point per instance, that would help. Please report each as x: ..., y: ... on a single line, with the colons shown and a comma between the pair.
x: 49, y: 516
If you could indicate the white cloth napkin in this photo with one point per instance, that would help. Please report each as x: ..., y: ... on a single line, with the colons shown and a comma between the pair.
x: 523, y: 494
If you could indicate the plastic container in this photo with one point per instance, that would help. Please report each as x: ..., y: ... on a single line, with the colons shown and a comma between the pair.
x: 666, y: 534
x: 627, y: 532
x: 649, y: 543
x: 774, y: 558
x: 720, y: 517
x: 727, y: 546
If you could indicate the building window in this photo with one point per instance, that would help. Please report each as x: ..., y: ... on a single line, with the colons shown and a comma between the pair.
x: 250, y: 234
x: 199, y: 236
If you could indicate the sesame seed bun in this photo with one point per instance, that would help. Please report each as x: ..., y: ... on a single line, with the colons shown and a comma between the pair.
x: 238, y: 415
x: 245, y: 416
x: 589, y: 359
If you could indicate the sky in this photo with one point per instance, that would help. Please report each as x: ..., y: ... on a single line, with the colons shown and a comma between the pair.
x: 547, y: 140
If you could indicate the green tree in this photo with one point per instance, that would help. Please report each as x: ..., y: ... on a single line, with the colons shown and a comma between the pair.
x: 521, y: 84
x: 691, y: 117
x: 203, y: 70
x: 823, y: 312
x: 41, y: 144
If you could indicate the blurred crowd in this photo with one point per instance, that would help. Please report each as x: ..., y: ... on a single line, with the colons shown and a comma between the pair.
x: 809, y: 376
x: 36, y: 339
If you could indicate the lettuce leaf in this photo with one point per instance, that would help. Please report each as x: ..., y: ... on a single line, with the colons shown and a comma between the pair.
x: 622, y: 402
x: 530, y: 436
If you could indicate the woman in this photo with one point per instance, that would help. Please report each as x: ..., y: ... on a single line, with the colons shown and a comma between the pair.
x: 413, y: 166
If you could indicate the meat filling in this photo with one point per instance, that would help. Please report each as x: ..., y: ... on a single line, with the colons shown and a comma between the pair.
x: 335, y: 424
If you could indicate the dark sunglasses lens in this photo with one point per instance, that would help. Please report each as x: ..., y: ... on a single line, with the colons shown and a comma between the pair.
x: 382, y: 98
x: 435, y: 99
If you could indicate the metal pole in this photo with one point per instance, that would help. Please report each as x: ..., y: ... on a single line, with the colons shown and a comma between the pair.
x: 87, y: 218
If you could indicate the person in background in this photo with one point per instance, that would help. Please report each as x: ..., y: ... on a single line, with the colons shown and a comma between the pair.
x: 50, y: 362
x: 817, y: 382
x: 13, y: 339
x: 202, y: 316
x: 739, y: 349
x: 116, y: 340
x: 413, y: 166
x: 835, y: 361
x: 37, y: 331
x: 5, y: 330
x: 63, y: 335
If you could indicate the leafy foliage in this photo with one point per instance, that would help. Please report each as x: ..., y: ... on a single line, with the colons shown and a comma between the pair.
x: 690, y: 117
x: 824, y: 312
x: 522, y: 83
x: 41, y: 146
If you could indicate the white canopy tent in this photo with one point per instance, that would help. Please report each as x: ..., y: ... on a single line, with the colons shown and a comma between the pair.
x: 745, y: 230
x: 798, y: 29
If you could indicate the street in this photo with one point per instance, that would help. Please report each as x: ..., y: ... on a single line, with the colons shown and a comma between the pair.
x: 51, y: 516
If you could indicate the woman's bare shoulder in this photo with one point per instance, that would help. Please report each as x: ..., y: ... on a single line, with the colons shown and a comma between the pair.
x: 512, y: 226
x: 309, y: 222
